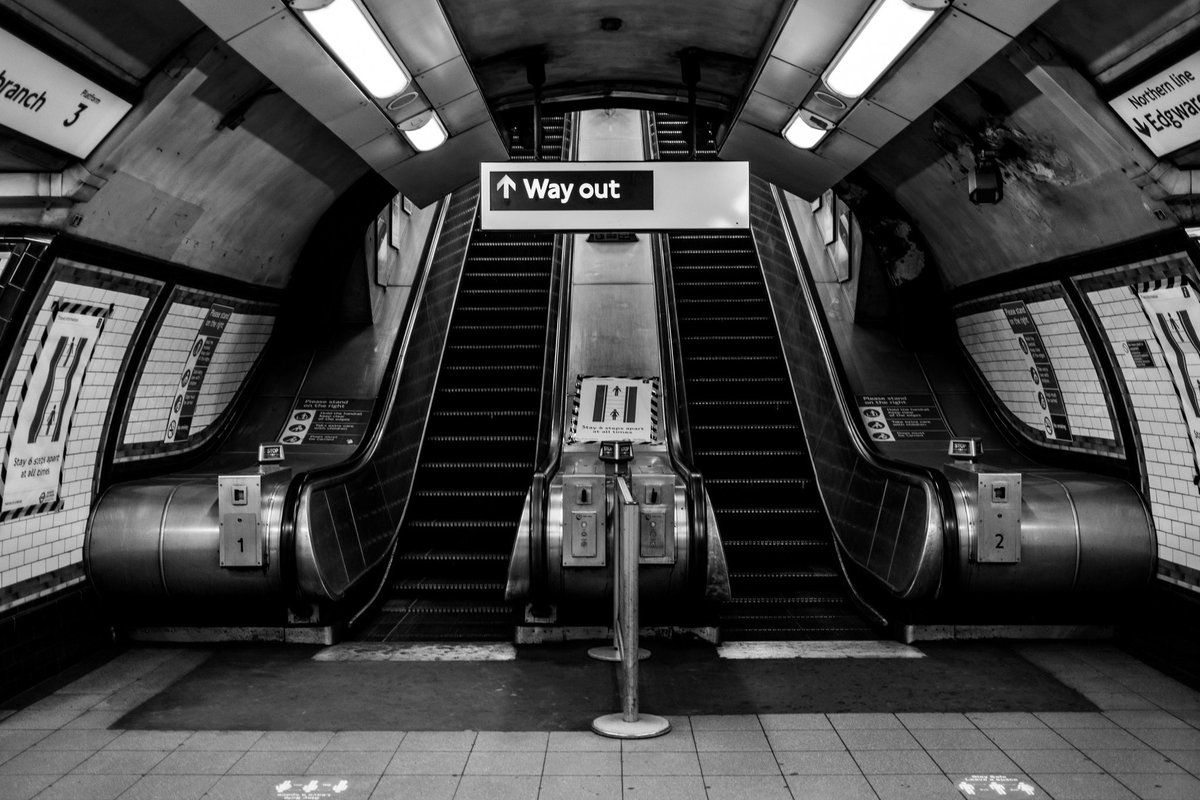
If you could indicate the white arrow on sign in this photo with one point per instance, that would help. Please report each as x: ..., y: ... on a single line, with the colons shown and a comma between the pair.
x: 506, y: 185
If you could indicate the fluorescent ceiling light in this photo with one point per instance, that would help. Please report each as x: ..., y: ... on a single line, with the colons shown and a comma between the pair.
x: 887, y: 30
x: 429, y: 136
x: 346, y: 31
x: 801, y: 132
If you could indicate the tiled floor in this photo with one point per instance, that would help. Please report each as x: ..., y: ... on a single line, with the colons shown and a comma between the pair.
x: 1143, y: 743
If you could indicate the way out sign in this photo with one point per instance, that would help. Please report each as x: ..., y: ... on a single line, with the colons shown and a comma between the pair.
x: 615, y: 195
x: 1164, y: 111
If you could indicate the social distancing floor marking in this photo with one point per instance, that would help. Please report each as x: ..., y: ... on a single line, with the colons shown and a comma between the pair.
x: 371, y: 651
x: 766, y: 650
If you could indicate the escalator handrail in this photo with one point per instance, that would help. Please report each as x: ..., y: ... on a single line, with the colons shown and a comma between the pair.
x: 674, y: 406
x: 941, y: 521
x: 553, y: 397
x: 303, y: 484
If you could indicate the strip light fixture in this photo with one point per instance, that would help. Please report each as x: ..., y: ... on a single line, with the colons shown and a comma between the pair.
x: 350, y: 35
x: 883, y: 35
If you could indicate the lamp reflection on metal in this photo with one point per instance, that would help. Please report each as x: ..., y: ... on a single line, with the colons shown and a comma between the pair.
x: 346, y: 30
x: 426, y: 136
x: 883, y: 35
x: 806, y: 130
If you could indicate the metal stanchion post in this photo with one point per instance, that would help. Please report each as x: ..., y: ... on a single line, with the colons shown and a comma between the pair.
x: 630, y: 723
x: 616, y: 457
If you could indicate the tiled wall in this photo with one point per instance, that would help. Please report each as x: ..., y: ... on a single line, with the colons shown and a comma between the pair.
x: 993, y: 347
x: 32, y: 546
x: 238, y: 349
x: 1169, y: 461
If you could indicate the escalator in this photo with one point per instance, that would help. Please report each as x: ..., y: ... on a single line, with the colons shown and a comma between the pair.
x: 448, y: 577
x: 747, y: 440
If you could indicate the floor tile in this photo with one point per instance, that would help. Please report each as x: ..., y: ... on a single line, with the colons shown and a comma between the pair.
x: 580, y: 787
x: 895, y: 762
x: 76, y: 740
x: 795, y: 722
x: 726, y: 722
x: 292, y: 762
x: 248, y: 787
x: 805, y: 740
x: 730, y: 741
x: 529, y: 741
x: 43, y: 762
x: 830, y: 787
x: 505, y: 763
x: 347, y: 762
x: 415, y: 787
x: 991, y: 760
x: 438, y: 740
x: 497, y: 787
x: 1156, y: 718
x: 198, y: 762
x: 993, y: 720
x: 676, y: 741
x: 221, y: 740
x: 914, y: 721
x: 739, y: 763
x: 879, y: 740
x: 914, y: 787
x: 19, y: 739
x: 1187, y: 759
x: 170, y: 787
x: 586, y: 741
x: 1161, y: 787
x: 1106, y: 738
x: 1146, y: 760
x: 871, y: 722
x: 1076, y: 786
x: 24, y: 787
x: 665, y: 763
x: 427, y: 763
x: 952, y: 739
x: 278, y: 741
x: 1061, y: 720
x: 729, y: 787
x: 88, y: 787
x: 1054, y: 760
x: 1176, y: 739
x: 149, y: 740
x: 1028, y: 739
x: 582, y: 763
x: 817, y: 762
x: 95, y: 719
x: 674, y: 787
x: 121, y: 762
x: 358, y: 741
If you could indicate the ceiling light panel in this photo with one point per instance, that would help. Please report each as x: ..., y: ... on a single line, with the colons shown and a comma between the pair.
x: 353, y: 39
x: 889, y: 28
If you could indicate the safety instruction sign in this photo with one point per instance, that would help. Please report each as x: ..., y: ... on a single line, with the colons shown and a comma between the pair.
x: 195, y: 367
x: 615, y: 408
x: 997, y: 786
x: 1164, y: 111
x: 901, y: 417
x: 33, y: 459
x: 1043, y: 383
x: 327, y: 420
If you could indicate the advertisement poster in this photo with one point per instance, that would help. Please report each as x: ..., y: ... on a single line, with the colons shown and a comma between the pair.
x: 1173, y: 314
x: 1043, y: 383
x: 615, y: 409
x: 191, y: 377
x: 33, y: 460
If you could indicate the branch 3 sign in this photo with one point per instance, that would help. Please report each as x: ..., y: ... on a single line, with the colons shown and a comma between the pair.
x: 1164, y: 111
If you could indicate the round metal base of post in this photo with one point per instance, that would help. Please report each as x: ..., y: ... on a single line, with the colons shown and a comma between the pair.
x: 610, y: 653
x: 614, y: 726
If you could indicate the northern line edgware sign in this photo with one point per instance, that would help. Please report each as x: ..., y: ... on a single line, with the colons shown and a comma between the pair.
x: 52, y: 103
x: 1164, y: 111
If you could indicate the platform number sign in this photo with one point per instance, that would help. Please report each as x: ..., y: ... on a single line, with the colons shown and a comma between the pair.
x: 52, y: 103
